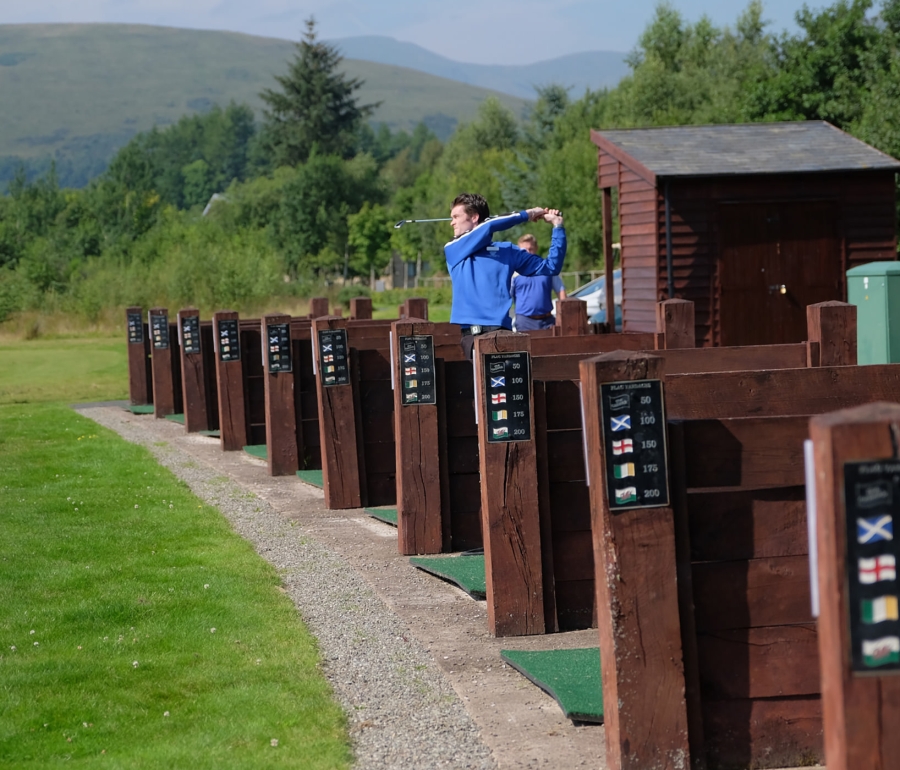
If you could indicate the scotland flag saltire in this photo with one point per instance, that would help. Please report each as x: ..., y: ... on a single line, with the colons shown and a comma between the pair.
x: 498, y: 382
x: 409, y: 358
x: 874, y: 529
x: 620, y: 423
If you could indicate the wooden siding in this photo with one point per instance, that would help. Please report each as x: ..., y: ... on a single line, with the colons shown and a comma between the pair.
x: 866, y: 232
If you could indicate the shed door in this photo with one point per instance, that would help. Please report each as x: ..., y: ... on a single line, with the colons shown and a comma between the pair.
x: 775, y: 259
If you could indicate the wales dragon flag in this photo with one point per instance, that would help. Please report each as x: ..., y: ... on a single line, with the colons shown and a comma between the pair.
x: 881, y: 652
x: 627, y: 495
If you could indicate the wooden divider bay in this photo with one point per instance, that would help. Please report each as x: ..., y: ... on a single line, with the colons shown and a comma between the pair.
x: 233, y: 433
x: 748, y: 639
x: 165, y: 363
x: 280, y: 407
x: 509, y: 491
x: 198, y: 382
x: 856, y: 467
x: 140, y: 373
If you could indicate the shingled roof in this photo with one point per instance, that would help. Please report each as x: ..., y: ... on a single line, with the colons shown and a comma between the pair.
x: 732, y: 150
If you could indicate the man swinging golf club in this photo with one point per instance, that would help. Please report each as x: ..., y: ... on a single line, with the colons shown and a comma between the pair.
x: 481, y: 270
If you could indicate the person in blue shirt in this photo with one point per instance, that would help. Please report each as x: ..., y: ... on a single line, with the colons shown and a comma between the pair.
x: 533, y: 293
x: 481, y: 270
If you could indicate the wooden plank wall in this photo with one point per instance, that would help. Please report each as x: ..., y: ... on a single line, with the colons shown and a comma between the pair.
x: 254, y: 381
x: 306, y: 400
x: 867, y: 229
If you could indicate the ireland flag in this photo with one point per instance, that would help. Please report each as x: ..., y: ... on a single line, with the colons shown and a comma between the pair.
x: 880, y: 609
x: 627, y: 495
x: 881, y: 652
x: 623, y: 471
x: 501, y: 415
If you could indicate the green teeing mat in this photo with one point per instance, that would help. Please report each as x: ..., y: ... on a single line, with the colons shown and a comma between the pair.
x: 571, y: 677
x: 210, y: 433
x: 313, y: 477
x: 387, y: 515
x: 176, y: 418
x: 257, y: 450
x: 140, y: 408
x: 465, y: 571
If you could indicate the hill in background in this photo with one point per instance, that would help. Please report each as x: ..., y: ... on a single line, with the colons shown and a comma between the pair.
x: 79, y: 92
x: 592, y: 70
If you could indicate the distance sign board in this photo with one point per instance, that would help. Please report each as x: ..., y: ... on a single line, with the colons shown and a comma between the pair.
x: 135, y: 329
x: 872, y: 499
x: 229, y: 338
x: 417, y: 370
x: 159, y: 330
x: 278, y: 347
x: 634, y: 435
x: 507, y: 398
x: 190, y: 334
x: 333, y: 355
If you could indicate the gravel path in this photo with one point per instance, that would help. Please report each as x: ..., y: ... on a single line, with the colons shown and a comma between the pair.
x: 402, y: 711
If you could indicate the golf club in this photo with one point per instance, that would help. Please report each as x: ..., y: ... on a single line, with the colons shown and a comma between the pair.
x: 419, y: 221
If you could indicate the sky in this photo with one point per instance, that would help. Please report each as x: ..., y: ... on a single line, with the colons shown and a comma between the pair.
x: 486, y: 32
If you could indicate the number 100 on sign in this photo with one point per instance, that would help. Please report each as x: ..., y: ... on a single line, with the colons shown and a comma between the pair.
x: 634, y: 435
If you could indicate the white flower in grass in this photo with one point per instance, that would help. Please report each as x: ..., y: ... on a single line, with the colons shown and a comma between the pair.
x: 135, y: 664
x: 273, y: 742
x: 165, y: 713
x: 212, y: 630
x: 31, y: 632
x: 37, y: 644
x: 136, y: 505
x: 13, y: 648
x: 206, y: 585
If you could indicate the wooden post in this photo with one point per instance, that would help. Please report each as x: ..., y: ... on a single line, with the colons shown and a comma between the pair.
x: 337, y: 416
x: 509, y: 495
x: 281, y: 417
x: 571, y: 317
x: 675, y: 322
x: 163, y: 375
x: 193, y: 376
x: 833, y: 326
x: 140, y: 373
x: 417, y: 307
x: 416, y: 441
x: 318, y: 307
x: 360, y: 308
x: 861, y: 711
x: 637, y: 599
x: 608, y: 258
x: 229, y: 381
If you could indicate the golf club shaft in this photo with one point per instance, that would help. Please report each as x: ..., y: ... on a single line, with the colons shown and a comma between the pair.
x: 419, y: 221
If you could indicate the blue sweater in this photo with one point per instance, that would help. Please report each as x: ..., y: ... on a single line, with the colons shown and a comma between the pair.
x: 481, y: 270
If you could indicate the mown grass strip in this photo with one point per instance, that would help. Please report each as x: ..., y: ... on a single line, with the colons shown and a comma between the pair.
x: 136, y: 627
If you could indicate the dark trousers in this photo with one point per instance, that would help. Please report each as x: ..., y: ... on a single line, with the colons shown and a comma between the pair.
x: 526, y: 323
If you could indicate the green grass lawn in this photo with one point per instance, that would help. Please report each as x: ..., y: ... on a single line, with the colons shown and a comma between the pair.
x: 436, y: 313
x: 137, y: 630
x: 74, y: 370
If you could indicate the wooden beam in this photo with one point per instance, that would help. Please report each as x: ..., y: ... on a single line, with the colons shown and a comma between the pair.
x: 230, y: 382
x: 675, y: 322
x: 281, y: 416
x: 337, y: 419
x: 140, y: 372
x: 360, y: 308
x: 417, y: 446
x: 609, y: 257
x: 162, y: 344
x: 193, y: 376
x: 509, y: 501
x: 861, y: 712
x: 571, y: 317
x: 318, y: 307
x: 417, y: 307
x: 623, y: 157
x: 833, y: 326
x: 637, y: 601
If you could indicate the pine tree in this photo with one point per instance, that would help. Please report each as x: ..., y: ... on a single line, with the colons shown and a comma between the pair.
x: 316, y: 106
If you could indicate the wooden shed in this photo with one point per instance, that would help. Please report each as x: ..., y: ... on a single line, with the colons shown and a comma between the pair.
x: 751, y: 222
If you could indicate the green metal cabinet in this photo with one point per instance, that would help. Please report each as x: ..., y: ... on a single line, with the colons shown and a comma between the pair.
x: 875, y: 290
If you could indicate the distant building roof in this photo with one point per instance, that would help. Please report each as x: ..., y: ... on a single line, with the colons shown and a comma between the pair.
x: 751, y: 148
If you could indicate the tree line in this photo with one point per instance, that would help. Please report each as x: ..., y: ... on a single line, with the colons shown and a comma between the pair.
x: 308, y: 191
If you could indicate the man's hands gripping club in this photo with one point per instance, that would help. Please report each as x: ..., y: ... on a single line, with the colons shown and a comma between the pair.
x: 553, y: 216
